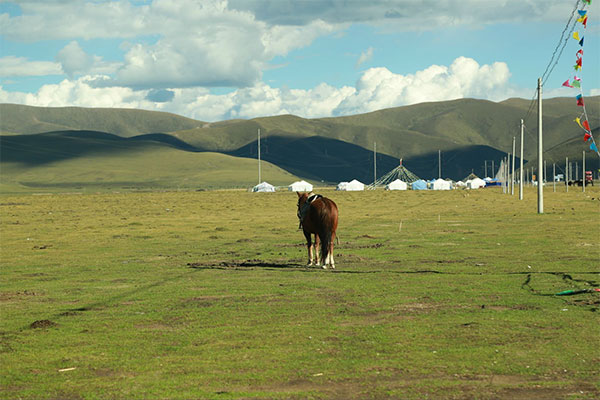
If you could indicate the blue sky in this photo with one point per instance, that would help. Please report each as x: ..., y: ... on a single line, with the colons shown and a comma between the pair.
x: 215, y: 59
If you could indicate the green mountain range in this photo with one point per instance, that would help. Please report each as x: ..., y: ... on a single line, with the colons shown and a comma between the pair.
x: 72, y: 147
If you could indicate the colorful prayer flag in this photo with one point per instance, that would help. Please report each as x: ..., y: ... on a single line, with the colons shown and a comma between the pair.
x: 579, y: 54
x: 582, y: 12
x: 586, y: 137
x: 576, y: 35
x: 576, y: 84
x: 593, y: 147
x: 566, y: 83
x: 586, y: 126
x: 578, y: 120
x: 577, y: 78
x: 587, y: 1
x: 580, y: 100
x: 581, y: 41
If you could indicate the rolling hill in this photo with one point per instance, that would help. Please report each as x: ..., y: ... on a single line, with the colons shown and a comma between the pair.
x: 468, y: 132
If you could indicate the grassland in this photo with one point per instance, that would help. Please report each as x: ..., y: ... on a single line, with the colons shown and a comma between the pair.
x: 443, y: 295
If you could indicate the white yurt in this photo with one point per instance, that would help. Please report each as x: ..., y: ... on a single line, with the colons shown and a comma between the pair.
x: 475, y: 183
x: 300, y: 186
x: 353, y: 185
x: 263, y: 187
x: 440, y: 184
x: 461, y: 184
x: 396, y: 185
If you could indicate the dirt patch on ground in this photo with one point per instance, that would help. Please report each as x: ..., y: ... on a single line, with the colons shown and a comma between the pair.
x: 42, y: 324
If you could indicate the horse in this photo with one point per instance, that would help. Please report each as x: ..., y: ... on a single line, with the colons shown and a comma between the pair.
x: 318, y: 215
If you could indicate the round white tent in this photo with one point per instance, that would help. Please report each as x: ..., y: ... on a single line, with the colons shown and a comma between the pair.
x: 397, y: 185
x: 300, y: 186
x: 353, y: 185
x: 440, y: 184
x: 263, y: 187
x: 475, y: 183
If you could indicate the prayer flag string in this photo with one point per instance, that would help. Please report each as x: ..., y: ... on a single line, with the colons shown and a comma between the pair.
x: 582, y: 120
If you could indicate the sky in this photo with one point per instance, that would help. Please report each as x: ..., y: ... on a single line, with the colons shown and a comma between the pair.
x: 216, y: 60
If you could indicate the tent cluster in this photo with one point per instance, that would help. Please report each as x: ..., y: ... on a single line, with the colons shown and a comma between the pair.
x: 299, y: 186
x: 398, y: 184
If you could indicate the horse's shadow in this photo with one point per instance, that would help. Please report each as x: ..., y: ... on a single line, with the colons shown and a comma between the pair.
x: 228, y: 265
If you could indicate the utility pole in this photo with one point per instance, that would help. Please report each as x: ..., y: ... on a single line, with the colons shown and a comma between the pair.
x: 583, y: 172
x: 540, y: 151
x: 521, y: 165
x: 259, y: 180
x: 554, y: 177
x: 374, y: 162
x: 512, y: 175
x: 567, y: 173
x: 439, y: 164
x: 485, y: 173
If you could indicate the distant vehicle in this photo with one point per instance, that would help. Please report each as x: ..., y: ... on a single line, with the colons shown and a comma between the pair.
x: 589, y: 180
x: 559, y: 178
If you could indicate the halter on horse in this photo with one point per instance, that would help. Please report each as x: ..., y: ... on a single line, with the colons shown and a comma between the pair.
x: 318, y: 215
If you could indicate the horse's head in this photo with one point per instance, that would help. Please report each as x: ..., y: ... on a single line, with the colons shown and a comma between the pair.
x: 302, y: 197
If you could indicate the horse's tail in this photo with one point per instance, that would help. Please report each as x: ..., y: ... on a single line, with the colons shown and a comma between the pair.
x: 325, y: 244
x: 328, y: 227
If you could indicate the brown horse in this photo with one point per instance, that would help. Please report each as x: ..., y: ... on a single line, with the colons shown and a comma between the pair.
x: 318, y: 215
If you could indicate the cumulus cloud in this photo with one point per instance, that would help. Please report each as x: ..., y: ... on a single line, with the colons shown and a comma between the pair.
x: 181, y: 44
x: 377, y: 88
x: 20, y: 66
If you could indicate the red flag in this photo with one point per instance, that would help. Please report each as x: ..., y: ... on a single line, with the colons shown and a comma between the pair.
x: 580, y: 100
x: 586, y: 137
x: 567, y: 84
x: 586, y: 125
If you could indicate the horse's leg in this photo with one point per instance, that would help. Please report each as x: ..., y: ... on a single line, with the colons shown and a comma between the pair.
x: 330, y: 255
x: 317, y: 250
x: 309, y: 246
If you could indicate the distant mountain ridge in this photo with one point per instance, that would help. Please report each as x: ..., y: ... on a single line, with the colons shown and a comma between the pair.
x: 468, y: 132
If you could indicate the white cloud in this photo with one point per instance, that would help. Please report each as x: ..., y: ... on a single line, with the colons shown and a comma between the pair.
x: 364, y: 57
x: 377, y: 88
x: 380, y: 88
x: 74, y: 60
x: 182, y: 43
x: 20, y: 66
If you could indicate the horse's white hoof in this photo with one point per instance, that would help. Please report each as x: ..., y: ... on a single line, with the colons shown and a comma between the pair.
x: 324, y: 266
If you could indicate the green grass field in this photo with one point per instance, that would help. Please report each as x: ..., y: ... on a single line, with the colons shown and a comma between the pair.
x: 445, y: 295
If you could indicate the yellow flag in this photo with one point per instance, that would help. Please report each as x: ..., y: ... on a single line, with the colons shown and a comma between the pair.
x: 576, y: 36
x: 578, y: 120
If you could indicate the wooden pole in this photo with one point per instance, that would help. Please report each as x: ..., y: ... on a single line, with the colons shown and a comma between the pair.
x: 259, y: 178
